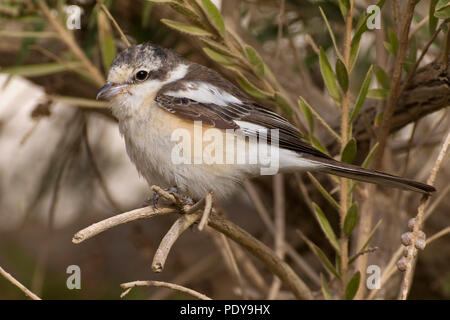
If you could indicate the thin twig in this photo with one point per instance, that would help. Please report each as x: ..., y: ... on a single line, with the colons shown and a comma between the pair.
x: 96, y: 168
x: 116, y: 25
x: 11, y: 279
x: 206, y: 212
x: 265, y: 217
x: 130, y: 285
x: 234, y: 265
x: 279, y: 212
x: 416, y: 65
x: 181, y: 225
x: 99, y: 227
x: 437, y: 235
x: 418, y: 222
x: 68, y: 39
x: 395, y: 85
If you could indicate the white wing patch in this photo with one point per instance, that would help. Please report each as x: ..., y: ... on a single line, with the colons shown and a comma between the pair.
x: 245, y: 125
x: 205, y: 93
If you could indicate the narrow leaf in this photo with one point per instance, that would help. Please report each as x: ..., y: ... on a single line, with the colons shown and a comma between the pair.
x: 324, y: 192
x: 344, y: 5
x: 432, y: 22
x: 379, y: 94
x: 349, y: 152
x: 320, y: 255
x: 362, y: 94
x: 351, y: 218
x: 326, y: 227
x: 393, y: 40
x: 282, y: 102
x: 255, y: 60
x: 325, y: 289
x: 369, y: 238
x: 251, y: 89
x: 330, y: 31
x: 214, y: 16
x: 328, y: 76
x: 382, y: 77
x: 352, y: 286
x: 307, y: 114
x: 106, y: 39
x: 217, y: 57
x: 36, y: 70
x: 316, y: 144
x: 186, y: 28
x: 321, y: 120
x: 342, y: 75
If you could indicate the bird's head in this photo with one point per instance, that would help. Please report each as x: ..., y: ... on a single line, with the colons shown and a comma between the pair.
x: 140, y: 71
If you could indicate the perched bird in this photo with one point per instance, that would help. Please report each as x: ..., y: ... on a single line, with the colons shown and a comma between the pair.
x: 158, y: 97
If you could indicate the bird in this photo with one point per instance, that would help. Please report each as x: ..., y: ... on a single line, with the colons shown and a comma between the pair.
x: 160, y: 98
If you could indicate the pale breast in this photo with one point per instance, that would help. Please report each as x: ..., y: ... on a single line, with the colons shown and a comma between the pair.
x: 152, y: 136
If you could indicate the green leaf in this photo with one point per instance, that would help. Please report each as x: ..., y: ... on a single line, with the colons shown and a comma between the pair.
x: 379, y: 94
x: 382, y: 77
x: 162, y: 1
x: 214, y: 16
x: 217, y: 57
x: 354, y: 51
x: 186, y: 28
x: 282, y: 102
x: 320, y: 255
x: 324, y: 192
x: 216, y: 47
x: 330, y: 31
x: 186, y: 11
x: 326, y: 227
x: 324, y: 287
x: 362, y: 94
x: 393, y: 42
x: 369, y: 237
x: 442, y: 9
x: 27, y: 34
x: 352, y: 286
x: 342, y: 75
x: 328, y: 76
x: 36, y: 70
x: 369, y: 157
x: 106, y: 39
x: 349, y: 152
x: 307, y: 114
x: 255, y: 60
x: 251, y: 89
x: 432, y: 20
x: 344, y: 5
x: 321, y: 120
x: 351, y: 218
x: 316, y: 144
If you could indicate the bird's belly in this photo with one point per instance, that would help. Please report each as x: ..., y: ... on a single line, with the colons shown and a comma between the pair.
x: 152, y: 146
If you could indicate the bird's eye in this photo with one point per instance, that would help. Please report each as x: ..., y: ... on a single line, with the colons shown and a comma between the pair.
x: 141, y: 75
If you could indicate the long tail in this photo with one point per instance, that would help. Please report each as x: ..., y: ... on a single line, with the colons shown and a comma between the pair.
x: 358, y: 173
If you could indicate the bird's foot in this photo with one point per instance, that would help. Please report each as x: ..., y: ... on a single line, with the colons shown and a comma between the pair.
x: 172, y: 195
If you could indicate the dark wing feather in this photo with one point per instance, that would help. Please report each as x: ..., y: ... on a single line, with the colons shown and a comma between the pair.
x: 223, y: 117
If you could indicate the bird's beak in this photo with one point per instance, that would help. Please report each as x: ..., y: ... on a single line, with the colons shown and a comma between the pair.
x: 110, y: 90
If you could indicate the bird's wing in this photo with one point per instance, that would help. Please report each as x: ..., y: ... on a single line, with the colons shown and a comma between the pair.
x: 198, y: 100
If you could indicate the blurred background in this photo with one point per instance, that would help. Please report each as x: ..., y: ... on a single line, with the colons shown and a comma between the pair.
x: 63, y: 164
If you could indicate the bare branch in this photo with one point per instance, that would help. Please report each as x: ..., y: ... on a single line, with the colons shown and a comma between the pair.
x: 130, y: 285
x: 99, y: 227
x: 418, y: 222
x: 184, y: 222
x: 11, y: 279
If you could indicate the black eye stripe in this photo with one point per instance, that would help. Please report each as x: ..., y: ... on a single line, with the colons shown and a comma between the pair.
x: 141, y: 75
